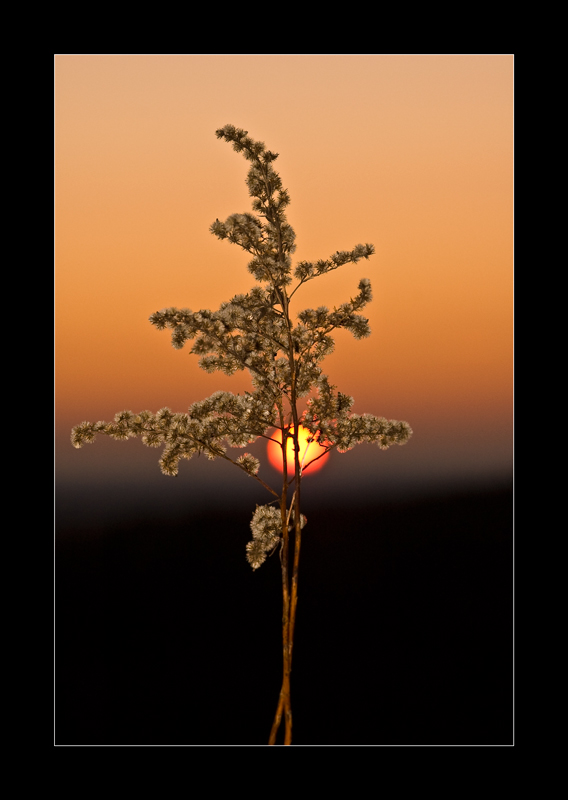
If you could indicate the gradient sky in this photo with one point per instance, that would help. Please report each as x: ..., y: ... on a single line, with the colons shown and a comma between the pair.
x: 411, y: 153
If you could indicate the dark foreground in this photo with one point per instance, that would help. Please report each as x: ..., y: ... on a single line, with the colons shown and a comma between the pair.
x: 164, y: 635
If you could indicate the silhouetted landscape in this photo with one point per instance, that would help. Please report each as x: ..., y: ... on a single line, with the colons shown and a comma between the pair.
x: 165, y: 636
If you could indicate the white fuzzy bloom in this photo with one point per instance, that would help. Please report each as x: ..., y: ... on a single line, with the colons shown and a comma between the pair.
x: 266, y: 527
x: 249, y: 463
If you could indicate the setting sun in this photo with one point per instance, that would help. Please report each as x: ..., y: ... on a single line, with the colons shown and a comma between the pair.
x: 308, y: 452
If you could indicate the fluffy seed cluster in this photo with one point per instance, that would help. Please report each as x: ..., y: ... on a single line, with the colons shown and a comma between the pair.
x: 249, y: 463
x: 303, y: 522
x: 328, y: 417
x: 236, y: 420
x: 266, y: 527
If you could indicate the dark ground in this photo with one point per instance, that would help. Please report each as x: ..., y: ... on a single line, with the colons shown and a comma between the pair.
x: 404, y: 636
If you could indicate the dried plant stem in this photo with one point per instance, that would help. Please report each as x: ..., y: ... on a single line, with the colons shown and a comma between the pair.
x: 288, y: 620
x: 284, y: 701
x: 290, y: 600
x: 289, y: 587
x: 256, y: 332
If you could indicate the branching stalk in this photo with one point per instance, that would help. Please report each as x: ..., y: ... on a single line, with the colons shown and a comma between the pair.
x: 249, y: 332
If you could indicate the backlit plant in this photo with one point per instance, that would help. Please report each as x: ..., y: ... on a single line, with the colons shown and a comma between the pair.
x: 257, y: 332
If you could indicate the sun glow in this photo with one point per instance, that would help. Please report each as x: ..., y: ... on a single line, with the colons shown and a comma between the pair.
x: 308, y: 452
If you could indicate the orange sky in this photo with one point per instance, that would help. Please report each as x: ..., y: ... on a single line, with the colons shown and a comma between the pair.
x: 411, y: 153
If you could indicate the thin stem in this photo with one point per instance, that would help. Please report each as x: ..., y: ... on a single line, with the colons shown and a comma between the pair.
x: 317, y: 458
x: 270, y: 439
x: 266, y: 486
x: 284, y: 696
x: 284, y: 702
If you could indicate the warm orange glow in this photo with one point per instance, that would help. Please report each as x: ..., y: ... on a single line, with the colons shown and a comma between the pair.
x: 308, y: 452
x: 426, y: 175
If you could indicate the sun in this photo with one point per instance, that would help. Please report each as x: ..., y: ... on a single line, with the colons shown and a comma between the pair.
x: 313, y: 451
